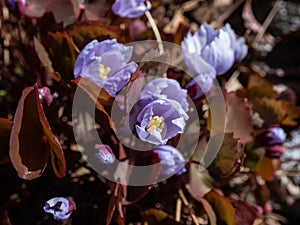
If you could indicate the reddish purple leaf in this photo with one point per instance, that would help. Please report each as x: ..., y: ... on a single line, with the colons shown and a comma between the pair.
x: 246, y: 213
x: 32, y: 140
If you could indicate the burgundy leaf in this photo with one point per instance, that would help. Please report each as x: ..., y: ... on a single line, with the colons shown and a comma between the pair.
x: 32, y: 140
x: 246, y: 213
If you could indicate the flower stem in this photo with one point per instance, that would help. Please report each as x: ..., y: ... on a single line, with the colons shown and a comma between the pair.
x: 155, y: 31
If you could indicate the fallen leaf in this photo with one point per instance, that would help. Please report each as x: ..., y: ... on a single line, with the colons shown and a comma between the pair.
x: 158, y: 217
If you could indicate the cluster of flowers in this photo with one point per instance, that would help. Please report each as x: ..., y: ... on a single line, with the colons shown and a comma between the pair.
x: 218, y: 48
x: 160, y: 113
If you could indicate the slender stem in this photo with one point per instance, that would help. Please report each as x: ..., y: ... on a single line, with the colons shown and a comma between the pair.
x: 228, y: 12
x: 268, y: 20
x: 186, y: 203
x: 155, y: 31
x: 178, y: 210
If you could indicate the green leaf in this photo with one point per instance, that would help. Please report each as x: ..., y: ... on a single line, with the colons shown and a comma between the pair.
x: 84, y: 32
x: 223, y: 208
x: 253, y: 155
x: 229, y: 158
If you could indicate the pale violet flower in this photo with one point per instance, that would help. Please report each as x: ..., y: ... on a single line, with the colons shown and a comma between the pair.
x: 157, y: 120
x: 106, y: 63
x: 171, y: 160
x: 167, y: 89
x: 60, y: 207
x: 131, y: 8
x: 219, y: 48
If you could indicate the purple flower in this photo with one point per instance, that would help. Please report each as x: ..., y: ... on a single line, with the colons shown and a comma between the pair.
x: 104, y: 154
x: 157, y: 120
x: 219, y: 48
x: 131, y: 8
x: 272, y: 136
x: 106, y: 64
x: 167, y: 89
x: 171, y: 160
x: 60, y: 207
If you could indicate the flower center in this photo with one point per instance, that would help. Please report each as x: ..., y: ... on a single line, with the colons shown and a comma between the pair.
x: 103, y: 71
x: 157, y: 122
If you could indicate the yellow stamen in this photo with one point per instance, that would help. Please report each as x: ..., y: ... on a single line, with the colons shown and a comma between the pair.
x: 103, y: 71
x: 157, y: 122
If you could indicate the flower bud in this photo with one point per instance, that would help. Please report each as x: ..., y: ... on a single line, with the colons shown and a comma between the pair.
x: 45, y: 95
x: 104, y: 154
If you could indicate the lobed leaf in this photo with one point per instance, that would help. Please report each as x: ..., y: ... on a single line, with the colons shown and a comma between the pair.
x: 229, y: 158
x: 238, y: 118
x: 270, y: 110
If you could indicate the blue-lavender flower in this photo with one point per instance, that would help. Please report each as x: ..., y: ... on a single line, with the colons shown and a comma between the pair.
x: 219, y: 48
x: 60, y: 207
x: 167, y: 89
x: 106, y: 63
x: 131, y: 8
x: 157, y: 120
x: 171, y: 160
